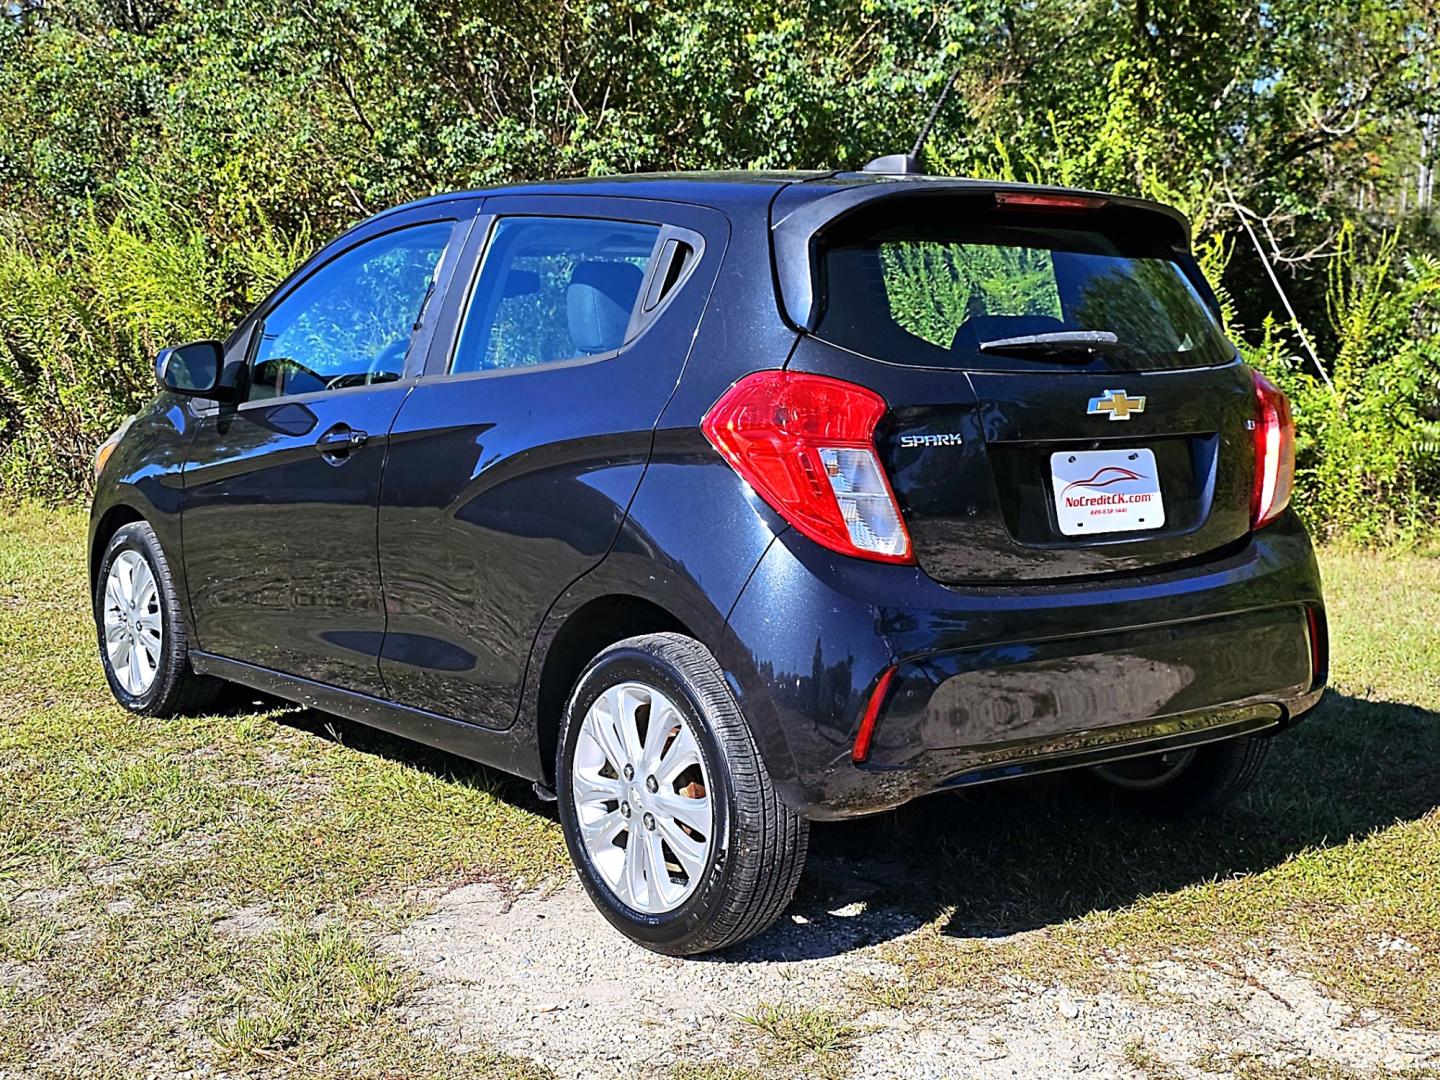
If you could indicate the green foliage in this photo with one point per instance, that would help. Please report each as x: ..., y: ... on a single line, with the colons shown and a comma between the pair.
x: 80, y: 326
x: 350, y: 327
x: 933, y: 287
x: 162, y: 165
x: 1369, y: 439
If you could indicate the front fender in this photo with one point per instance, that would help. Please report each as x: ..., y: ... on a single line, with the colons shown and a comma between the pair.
x: 144, y: 480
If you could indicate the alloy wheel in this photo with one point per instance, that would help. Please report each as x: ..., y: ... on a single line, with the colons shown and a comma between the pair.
x: 642, y: 798
x: 133, y: 631
x: 1146, y: 773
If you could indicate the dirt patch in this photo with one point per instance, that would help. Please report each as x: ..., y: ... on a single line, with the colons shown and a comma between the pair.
x: 548, y: 979
x: 254, y: 921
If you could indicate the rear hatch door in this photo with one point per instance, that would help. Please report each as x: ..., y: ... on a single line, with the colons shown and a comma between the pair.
x: 1062, y: 400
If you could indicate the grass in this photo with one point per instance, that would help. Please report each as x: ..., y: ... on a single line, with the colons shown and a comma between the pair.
x: 807, y: 1042
x: 209, y: 892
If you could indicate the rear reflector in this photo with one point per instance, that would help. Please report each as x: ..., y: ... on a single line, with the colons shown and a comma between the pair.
x: 860, y: 752
x: 1274, y: 453
x: 1319, y: 645
x: 806, y: 444
x: 1037, y: 200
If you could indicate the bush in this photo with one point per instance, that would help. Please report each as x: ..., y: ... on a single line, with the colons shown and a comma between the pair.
x: 1368, y: 438
x: 79, y: 329
x: 161, y: 164
x: 78, y: 332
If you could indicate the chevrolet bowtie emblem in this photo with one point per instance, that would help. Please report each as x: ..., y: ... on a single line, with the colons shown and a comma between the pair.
x: 1118, y: 404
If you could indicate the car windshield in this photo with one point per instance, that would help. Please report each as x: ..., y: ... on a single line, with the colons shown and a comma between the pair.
x: 936, y: 295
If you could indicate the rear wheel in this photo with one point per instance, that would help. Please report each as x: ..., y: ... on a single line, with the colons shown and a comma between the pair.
x: 141, y: 631
x: 668, y: 811
x: 1199, y: 780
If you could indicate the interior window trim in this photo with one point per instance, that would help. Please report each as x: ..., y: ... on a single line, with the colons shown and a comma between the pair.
x: 640, y: 321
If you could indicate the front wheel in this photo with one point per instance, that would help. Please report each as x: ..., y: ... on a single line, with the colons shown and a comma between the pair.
x: 1179, y: 783
x: 141, y: 630
x: 667, y: 808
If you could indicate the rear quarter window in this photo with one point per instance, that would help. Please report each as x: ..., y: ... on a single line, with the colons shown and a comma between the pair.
x: 553, y: 289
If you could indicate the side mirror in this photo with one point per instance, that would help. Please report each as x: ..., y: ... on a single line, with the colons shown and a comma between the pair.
x: 193, y: 369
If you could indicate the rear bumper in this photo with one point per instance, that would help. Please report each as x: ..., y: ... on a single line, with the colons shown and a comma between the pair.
x: 1006, y: 681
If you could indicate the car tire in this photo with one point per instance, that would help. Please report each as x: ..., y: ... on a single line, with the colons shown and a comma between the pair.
x: 159, y: 682
x: 681, y: 902
x: 1201, y: 780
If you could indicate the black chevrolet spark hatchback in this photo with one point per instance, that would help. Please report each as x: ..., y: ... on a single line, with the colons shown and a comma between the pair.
x: 720, y: 503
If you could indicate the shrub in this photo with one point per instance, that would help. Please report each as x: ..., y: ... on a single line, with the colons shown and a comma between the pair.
x: 80, y: 328
x: 1369, y: 437
x: 78, y: 331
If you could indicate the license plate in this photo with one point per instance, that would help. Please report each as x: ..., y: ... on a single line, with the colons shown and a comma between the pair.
x: 1103, y: 491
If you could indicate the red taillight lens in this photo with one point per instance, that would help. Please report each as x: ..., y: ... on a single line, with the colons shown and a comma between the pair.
x: 806, y: 444
x: 1274, y: 453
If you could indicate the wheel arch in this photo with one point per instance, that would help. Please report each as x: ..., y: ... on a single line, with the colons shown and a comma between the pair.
x: 111, y: 521
x: 594, y: 626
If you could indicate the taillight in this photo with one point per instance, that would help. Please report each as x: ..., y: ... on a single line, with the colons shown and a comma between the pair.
x: 806, y: 444
x: 1274, y: 453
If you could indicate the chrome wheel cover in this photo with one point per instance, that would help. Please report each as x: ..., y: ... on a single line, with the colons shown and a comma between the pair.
x: 1146, y: 773
x: 642, y: 801
x: 131, y: 622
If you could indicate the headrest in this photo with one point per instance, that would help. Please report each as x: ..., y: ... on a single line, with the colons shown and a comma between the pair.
x: 598, y: 302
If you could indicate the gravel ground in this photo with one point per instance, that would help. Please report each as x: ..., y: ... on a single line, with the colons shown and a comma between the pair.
x: 545, y: 977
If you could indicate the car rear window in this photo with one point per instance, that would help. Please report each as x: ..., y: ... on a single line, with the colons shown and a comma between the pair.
x: 931, y: 293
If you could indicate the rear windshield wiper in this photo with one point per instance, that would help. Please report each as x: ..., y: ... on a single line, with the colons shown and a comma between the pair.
x: 1074, y: 342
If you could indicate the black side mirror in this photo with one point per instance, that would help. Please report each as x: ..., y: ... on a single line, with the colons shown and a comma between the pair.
x: 193, y: 369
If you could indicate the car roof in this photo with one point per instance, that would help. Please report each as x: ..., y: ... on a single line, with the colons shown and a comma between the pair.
x: 722, y: 189
x: 811, y: 202
x: 718, y: 189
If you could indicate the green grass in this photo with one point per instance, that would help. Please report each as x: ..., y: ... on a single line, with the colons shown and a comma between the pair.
x: 128, y: 845
x: 209, y: 892
x: 800, y: 1041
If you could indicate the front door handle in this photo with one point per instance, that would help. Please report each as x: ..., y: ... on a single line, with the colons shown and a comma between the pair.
x: 338, y: 441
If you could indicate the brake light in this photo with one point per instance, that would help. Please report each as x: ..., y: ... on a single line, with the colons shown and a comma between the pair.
x: 1274, y: 453
x: 806, y: 444
x: 1042, y: 200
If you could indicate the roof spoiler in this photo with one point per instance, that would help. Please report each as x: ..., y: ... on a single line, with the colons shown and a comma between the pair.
x: 796, y: 237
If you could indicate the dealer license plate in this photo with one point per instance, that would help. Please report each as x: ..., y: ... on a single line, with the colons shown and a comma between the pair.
x: 1106, y: 491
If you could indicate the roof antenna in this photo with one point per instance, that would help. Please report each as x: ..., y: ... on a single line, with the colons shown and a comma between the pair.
x: 909, y: 164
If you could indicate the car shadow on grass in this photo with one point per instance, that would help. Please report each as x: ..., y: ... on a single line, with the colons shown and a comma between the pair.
x: 361, y: 739
x: 1020, y: 855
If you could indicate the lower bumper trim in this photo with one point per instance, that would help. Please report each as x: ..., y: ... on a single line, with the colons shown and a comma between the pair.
x: 1087, y: 748
x: 858, y: 790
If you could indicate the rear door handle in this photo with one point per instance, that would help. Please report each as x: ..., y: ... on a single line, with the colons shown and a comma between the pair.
x: 339, y: 440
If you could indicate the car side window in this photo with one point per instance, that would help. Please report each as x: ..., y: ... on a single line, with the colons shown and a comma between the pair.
x: 349, y: 323
x: 553, y: 289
